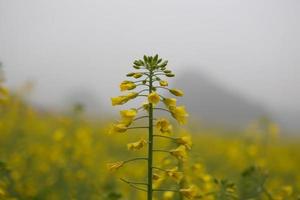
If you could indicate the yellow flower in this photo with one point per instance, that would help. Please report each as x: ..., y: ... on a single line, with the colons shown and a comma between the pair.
x: 115, y: 166
x: 2, y: 192
x: 127, y: 85
x: 137, y: 145
x: 168, y: 195
x: 179, y: 113
x: 186, y: 141
x: 175, y: 174
x: 118, y: 128
x: 123, y: 99
x: 287, y: 190
x: 137, y: 75
x: 179, y: 153
x: 3, y: 91
x: 190, y: 192
x: 169, y: 102
x: 164, y: 126
x: 157, y: 180
x: 132, y: 95
x: 153, y: 98
x: 128, y: 116
x: 155, y: 177
x: 163, y: 83
x: 118, y: 100
x: 176, y: 92
x: 3, y: 95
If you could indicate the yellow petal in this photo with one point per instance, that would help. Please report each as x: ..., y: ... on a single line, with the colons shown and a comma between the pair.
x: 163, y: 83
x: 169, y: 102
x: 153, y: 98
x: 164, y: 126
x: 177, y: 92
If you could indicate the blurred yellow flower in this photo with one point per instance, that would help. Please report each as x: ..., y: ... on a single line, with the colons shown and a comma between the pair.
x: 137, y: 145
x: 179, y: 113
x: 114, y: 166
x: 118, y: 128
x: 123, y: 99
x: 3, y: 91
x: 168, y: 195
x: 156, y: 177
x: 3, y: 95
x: 164, y: 126
x: 175, y: 174
x: 118, y: 100
x: 177, y: 92
x: 190, y: 192
x: 287, y: 190
x: 169, y: 102
x: 2, y: 192
x: 180, y: 153
x: 128, y: 116
x: 153, y: 98
x: 186, y: 141
x: 127, y: 85
x: 163, y: 83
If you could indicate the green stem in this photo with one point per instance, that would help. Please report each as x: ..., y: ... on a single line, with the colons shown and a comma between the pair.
x: 161, y: 150
x: 133, y: 185
x: 162, y: 109
x: 165, y: 190
x: 134, y: 159
x: 150, y: 146
x: 167, y: 137
x: 133, y: 182
x: 137, y: 127
x: 142, y: 117
x: 161, y: 169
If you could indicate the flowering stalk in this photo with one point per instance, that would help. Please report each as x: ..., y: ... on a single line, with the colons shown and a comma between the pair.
x: 153, y: 68
x: 150, y: 139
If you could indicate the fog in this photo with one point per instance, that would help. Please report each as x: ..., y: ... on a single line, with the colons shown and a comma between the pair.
x: 66, y: 47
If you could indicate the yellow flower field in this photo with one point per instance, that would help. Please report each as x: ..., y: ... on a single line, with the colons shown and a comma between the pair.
x: 47, y: 155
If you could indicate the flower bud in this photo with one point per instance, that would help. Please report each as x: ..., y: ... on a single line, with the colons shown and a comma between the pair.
x: 163, y: 83
x: 130, y: 74
x: 170, y: 75
x: 137, y: 75
x: 177, y: 92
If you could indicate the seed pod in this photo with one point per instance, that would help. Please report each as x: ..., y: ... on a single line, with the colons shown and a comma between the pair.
x: 155, y: 58
x: 164, y: 64
x: 137, y: 63
x: 170, y: 75
x: 145, y: 59
x: 130, y: 74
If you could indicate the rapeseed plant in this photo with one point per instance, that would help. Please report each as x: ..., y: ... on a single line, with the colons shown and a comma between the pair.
x: 150, y: 81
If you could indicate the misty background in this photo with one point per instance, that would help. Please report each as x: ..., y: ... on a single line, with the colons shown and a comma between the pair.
x: 236, y: 60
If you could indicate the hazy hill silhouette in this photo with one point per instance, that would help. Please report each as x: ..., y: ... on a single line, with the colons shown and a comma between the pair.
x: 213, y: 103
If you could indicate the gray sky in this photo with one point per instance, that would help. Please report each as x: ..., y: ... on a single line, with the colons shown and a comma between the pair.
x: 250, y: 46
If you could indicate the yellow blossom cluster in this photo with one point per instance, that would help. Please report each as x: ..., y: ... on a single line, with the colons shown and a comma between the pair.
x: 149, y: 81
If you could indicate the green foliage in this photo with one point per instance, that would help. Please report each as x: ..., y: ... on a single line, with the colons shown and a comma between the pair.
x: 252, y: 183
x: 226, y: 190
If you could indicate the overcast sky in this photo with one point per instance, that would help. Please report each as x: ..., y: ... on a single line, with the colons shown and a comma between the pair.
x: 64, y: 46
